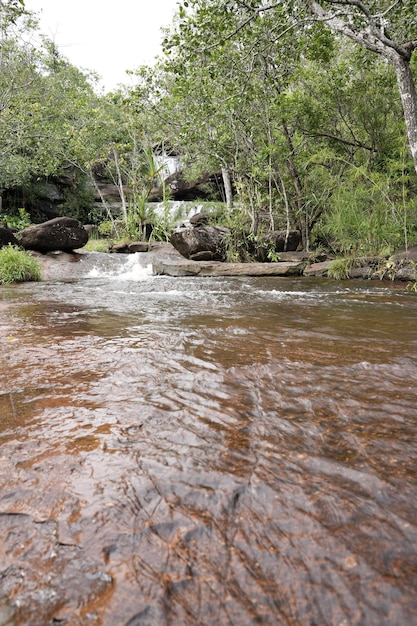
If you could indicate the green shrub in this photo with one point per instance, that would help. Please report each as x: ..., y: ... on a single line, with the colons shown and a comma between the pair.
x: 340, y: 268
x: 115, y: 229
x: 106, y: 228
x: 17, y: 265
x: 20, y: 220
x: 366, y: 217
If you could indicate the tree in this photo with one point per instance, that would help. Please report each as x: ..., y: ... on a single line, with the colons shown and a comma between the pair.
x: 45, y: 102
x: 271, y: 91
x: 226, y: 97
x: 387, y: 27
x: 10, y: 11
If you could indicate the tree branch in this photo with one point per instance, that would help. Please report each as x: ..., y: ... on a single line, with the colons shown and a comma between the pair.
x: 346, y: 142
x: 370, y: 38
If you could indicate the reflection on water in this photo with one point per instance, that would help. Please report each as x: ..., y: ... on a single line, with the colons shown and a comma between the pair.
x: 200, y: 451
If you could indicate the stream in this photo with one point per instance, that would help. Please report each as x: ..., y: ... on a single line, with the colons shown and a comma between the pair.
x: 207, y: 451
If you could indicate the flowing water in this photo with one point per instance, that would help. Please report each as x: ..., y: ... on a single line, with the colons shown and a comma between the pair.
x: 203, y: 451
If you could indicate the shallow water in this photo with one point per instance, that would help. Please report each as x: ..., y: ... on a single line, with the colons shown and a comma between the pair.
x: 207, y: 451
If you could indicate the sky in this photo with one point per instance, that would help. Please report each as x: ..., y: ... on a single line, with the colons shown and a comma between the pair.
x: 107, y: 37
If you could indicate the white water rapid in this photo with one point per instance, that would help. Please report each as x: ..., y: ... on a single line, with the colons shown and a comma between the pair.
x: 122, y: 267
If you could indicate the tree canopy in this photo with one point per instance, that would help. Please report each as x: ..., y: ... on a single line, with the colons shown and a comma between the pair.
x: 286, y: 101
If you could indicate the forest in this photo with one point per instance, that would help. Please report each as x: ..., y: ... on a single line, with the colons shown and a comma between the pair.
x: 305, y: 111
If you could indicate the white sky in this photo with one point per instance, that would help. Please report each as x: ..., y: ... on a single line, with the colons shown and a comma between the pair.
x: 107, y: 36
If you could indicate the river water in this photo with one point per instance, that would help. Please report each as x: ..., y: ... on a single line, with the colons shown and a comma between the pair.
x: 199, y: 451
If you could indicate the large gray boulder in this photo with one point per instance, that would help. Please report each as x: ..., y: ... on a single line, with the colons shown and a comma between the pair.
x: 192, y: 242
x: 61, y: 233
x: 6, y: 237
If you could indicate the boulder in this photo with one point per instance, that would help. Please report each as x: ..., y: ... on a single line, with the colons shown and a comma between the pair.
x: 199, y: 219
x: 130, y: 247
x: 410, y: 255
x: 61, y: 233
x: 318, y: 269
x: 180, y: 188
x: 205, y: 255
x: 6, y: 237
x: 209, y: 239
x: 138, y: 246
x: 120, y: 248
x: 283, y: 244
x: 108, y: 192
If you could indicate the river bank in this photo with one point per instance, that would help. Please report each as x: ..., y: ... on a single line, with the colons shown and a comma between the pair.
x: 166, y: 260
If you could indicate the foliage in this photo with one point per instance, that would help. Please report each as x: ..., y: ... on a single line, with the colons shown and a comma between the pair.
x: 386, y: 28
x: 292, y: 113
x: 162, y: 223
x: 44, y: 102
x: 19, y: 221
x: 36, y: 123
x: 113, y: 229
x: 340, y: 269
x: 106, y: 228
x: 17, y: 265
x: 387, y: 22
x: 78, y: 195
x: 306, y: 123
x: 10, y: 11
x: 367, y: 214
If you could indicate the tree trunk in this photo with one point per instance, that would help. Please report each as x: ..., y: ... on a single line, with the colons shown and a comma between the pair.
x: 408, y: 95
x: 227, y: 187
x: 104, y: 203
x: 120, y: 187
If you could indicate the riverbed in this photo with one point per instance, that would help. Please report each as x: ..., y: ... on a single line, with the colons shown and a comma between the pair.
x: 207, y: 451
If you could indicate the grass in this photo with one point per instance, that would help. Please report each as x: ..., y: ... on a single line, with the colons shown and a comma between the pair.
x: 96, y: 245
x: 339, y: 269
x: 17, y: 266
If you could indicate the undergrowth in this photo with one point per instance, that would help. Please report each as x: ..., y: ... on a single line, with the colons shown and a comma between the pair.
x: 17, y: 266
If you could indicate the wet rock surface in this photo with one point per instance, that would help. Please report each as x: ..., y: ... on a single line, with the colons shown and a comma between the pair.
x: 50, y: 578
x: 144, y: 467
x: 207, y: 451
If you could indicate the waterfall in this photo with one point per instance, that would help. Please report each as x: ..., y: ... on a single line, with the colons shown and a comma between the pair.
x: 175, y: 210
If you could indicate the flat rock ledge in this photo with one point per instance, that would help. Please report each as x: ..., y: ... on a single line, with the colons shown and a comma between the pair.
x: 185, y: 267
x: 167, y: 261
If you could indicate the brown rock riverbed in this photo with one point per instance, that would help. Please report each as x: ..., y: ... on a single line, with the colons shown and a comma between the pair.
x: 206, y: 450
